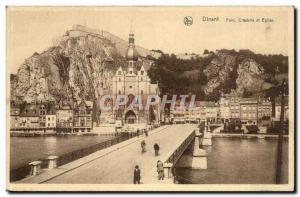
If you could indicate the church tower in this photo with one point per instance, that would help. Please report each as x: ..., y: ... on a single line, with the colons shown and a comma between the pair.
x: 131, y: 54
x: 134, y: 82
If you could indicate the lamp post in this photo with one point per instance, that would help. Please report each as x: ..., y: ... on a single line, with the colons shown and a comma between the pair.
x: 280, y: 137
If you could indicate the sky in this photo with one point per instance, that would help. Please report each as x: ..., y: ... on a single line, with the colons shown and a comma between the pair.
x: 33, y: 29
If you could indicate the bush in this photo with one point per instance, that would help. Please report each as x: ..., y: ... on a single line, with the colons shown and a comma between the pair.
x: 252, y: 129
x: 233, y: 127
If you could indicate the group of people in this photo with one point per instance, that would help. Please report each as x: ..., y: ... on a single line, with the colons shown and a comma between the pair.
x: 137, y: 172
x: 160, y: 165
x: 156, y: 147
x: 138, y: 132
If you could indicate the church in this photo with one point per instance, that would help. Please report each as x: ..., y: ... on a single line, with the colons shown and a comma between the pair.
x: 133, y: 81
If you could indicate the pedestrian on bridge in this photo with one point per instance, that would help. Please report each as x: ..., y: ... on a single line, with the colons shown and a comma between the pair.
x: 136, y: 175
x: 160, y: 170
x: 138, y: 133
x: 143, y: 145
x: 146, y: 132
x: 156, y: 149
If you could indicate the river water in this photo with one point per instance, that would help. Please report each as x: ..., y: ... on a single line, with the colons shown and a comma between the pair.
x: 236, y: 160
x: 24, y: 150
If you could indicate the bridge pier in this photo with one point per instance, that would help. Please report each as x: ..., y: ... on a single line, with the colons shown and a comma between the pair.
x: 206, y: 141
x: 199, y: 160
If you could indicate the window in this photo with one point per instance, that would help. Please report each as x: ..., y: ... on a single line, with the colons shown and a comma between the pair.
x: 119, y: 73
x: 119, y: 79
x: 142, y: 92
x: 130, y: 72
x: 119, y: 92
x: 141, y: 78
x: 142, y: 72
x: 130, y: 87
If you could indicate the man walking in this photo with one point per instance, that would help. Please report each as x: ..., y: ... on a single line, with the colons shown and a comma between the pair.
x: 143, y: 145
x: 156, y: 149
x: 136, y: 175
x: 160, y: 170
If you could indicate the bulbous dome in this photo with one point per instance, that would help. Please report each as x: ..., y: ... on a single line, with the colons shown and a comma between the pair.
x: 131, y: 54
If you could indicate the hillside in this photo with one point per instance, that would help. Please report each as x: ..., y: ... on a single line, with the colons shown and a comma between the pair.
x: 220, y: 72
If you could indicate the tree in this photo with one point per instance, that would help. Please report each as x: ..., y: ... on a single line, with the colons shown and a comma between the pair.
x: 206, y: 52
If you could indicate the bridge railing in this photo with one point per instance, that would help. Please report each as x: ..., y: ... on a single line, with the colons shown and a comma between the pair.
x: 169, y: 164
x: 179, y: 151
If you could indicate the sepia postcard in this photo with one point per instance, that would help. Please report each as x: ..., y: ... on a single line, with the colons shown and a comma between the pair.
x: 150, y: 98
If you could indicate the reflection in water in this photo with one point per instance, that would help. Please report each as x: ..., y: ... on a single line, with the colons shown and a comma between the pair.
x: 24, y: 150
x: 235, y: 160
x: 50, y: 144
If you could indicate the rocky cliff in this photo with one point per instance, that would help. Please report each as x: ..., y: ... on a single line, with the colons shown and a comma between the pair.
x: 229, y: 71
x: 80, y: 65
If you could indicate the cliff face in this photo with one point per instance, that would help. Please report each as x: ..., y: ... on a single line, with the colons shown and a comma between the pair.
x: 228, y: 72
x: 250, y: 77
x: 81, y: 65
x: 218, y: 71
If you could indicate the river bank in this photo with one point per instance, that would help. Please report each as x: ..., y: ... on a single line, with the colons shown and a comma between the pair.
x: 248, y: 136
x: 27, y: 134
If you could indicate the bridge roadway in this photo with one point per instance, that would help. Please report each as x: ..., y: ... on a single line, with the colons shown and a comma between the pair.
x: 115, y: 164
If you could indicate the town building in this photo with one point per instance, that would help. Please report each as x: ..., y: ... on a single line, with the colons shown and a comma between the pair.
x: 64, y: 116
x: 211, y: 111
x: 205, y: 111
x: 197, y: 113
x: 225, y: 113
x: 180, y: 115
x: 248, y: 112
x: 29, y: 117
x: 14, y: 115
x: 42, y: 115
x: 264, y: 108
x: 51, y: 117
x: 83, y: 116
x: 234, y: 103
